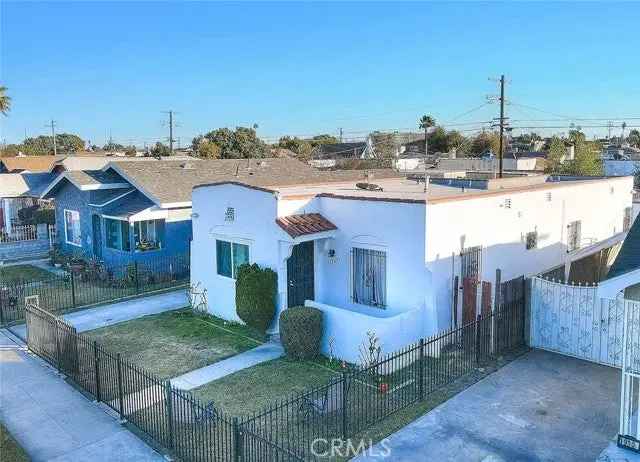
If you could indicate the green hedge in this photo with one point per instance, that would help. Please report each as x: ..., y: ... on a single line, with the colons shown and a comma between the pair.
x: 256, y: 295
x: 301, y: 332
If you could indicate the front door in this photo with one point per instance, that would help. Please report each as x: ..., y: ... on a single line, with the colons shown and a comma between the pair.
x: 97, y: 236
x: 300, y: 274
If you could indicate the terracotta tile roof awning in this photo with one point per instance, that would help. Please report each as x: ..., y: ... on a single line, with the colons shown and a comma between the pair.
x: 308, y: 223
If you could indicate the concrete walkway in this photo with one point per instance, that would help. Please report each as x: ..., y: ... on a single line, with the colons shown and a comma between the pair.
x: 540, y: 407
x: 54, y: 422
x: 215, y: 371
x: 106, y: 315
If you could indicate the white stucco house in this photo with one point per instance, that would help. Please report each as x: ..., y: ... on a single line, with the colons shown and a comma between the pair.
x: 387, y: 260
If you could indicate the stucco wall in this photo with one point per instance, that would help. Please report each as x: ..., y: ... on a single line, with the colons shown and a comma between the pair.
x: 254, y: 225
x: 501, y: 231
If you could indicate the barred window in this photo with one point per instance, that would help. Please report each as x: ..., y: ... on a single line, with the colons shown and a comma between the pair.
x: 532, y: 240
x: 369, y: 277
x: 574, y: 235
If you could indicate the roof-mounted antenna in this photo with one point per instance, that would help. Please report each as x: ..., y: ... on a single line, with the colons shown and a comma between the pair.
x: 237, y: 169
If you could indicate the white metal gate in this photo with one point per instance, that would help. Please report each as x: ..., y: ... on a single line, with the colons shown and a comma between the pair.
x: 573, y: 321
x: 630, y: 393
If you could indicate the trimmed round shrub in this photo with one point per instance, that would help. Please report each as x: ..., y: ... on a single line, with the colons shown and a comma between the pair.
x: 256, y: 295
x: 301, y: 332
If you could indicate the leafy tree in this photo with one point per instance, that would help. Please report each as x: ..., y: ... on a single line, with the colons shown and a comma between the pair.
x: 323, y: 139
x: 302, y: 148
x: 485, y: 141
x: 458, y: 142
x: 43, y: 145
x: 438, y: 140
x: 114, y: 147
x: 5, y: 101
x: 634, y: 138
x: 576, y: 136
x: 241, y: 143
x: 208, y: 149
x: 587, y: 159
x: 384, y: 148
x: 557, y: 152
x: 10, y: 150
x: 160, y: 149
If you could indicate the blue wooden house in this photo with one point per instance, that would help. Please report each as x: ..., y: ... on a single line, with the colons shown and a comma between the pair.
x: 141, y: 210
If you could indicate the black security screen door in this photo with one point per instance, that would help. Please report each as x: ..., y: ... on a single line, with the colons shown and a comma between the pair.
x: 300, y: 274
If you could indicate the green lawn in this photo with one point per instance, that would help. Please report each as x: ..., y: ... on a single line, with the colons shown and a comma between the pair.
x: 254, y: 388
x: 19, y: 273
x: 10, y: 451
x: 172, y: 343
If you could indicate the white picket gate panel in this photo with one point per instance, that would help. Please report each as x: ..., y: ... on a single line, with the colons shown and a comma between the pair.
x: 573, y: 321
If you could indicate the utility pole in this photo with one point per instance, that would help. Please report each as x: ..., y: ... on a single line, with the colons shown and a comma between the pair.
x: 609, y: 126
x: 341, y: 134
x: 171, y: 140
x: 52, y: 125
x: 426, y: 150
x: 501, y: 153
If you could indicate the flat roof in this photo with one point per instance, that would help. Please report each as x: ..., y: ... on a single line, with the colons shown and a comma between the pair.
x: 411, y: 191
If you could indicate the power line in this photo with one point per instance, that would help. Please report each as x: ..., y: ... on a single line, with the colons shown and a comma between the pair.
x: 52, y: 125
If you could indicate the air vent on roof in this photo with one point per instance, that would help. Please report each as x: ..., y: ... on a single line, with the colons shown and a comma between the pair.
x: 369, y: 186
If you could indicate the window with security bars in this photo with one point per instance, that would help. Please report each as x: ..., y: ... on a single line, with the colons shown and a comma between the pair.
x: 574, y: 235
x: 369, y: 277
x: 626, y: 223
x: 470, y: 261
x: 532, y: 240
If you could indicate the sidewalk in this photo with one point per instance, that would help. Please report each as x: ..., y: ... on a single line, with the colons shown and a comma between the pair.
x: 106, y: 315
x: 228, y: 366
x: 54, y: 422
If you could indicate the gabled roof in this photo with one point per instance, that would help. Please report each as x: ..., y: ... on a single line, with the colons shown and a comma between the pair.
x: 87, y: 181
x: 169, y: 183
x: 32, y: 164
x: 628, y: 259
x: 302, y: 225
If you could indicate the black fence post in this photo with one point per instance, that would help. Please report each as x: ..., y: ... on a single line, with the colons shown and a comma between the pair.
x: 58, y: 352
x: 120, y: 390
x: 478, y: 339
x: 1, y: 310
x: 135, y: 275
x: 421, y: 371
x: 344, y: 405
x: 73, y: 290
x: 237, y: 441
x: 96, y: 363
x: 169, y: 404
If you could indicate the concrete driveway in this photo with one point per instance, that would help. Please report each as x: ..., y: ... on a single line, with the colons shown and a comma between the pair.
x: 541, y: 407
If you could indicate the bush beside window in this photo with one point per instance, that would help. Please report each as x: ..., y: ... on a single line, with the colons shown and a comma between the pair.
x: 256, y: 290
x: 301, y: 332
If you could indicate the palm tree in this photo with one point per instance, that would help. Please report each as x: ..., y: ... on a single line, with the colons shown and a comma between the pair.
x: 425, y: 122
x: 5, y: 101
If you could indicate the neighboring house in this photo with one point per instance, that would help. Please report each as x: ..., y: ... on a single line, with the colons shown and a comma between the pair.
x: 17, y: 191
x: 617, y: 152
x: 385, y: 260
x: 519, y: 161
x: 97, y: 162
x: 28, y: 164
x: 624, y: 275
x: 133, y: 210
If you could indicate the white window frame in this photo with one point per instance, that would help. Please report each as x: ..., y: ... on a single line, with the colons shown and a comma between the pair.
x: 230, y: 241
x: 380, y: 248
x: 66, y: 235
x: 137, y: 225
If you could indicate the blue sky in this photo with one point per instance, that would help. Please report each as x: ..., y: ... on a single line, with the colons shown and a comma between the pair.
x: 306, y: 68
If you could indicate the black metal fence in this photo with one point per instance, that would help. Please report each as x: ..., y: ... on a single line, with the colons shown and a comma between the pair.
x: 300, y: 427
x: 91, y: 284
x: 306, y: 425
